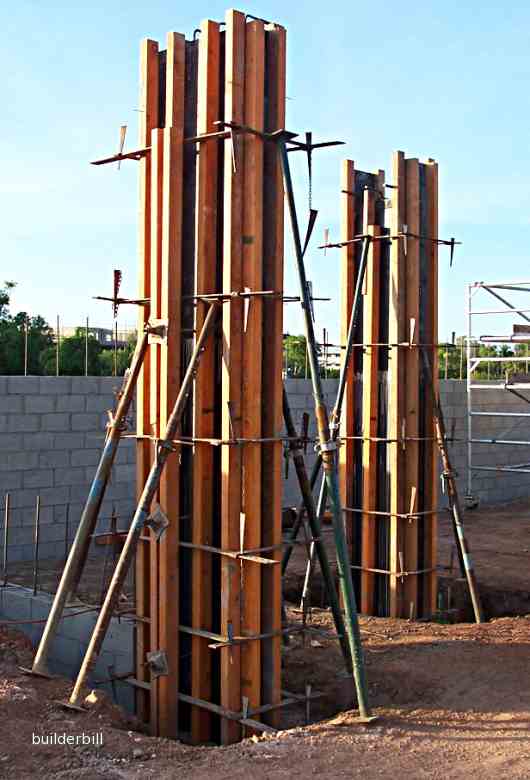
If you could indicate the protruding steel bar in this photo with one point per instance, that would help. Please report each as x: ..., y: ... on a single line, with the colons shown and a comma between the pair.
x: 314, y: 523
x: 141, y: 515
x: 454, y: 501
x: 36, y: 535
x: 328, y: 449
x: 79, y: 549
x: 66, y: 532
x: 86, y: 348
x: 6, y: 540
x: 57, y: 347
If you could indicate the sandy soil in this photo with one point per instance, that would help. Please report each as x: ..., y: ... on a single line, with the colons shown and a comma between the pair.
x: 452, y: 701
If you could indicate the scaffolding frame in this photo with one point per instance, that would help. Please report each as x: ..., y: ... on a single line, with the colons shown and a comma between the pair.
x: 520, y: 335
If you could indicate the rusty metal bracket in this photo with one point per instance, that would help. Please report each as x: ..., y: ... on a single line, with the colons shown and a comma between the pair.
x: 156, y: 660
x: 157, y: 522
x: 157, y: 331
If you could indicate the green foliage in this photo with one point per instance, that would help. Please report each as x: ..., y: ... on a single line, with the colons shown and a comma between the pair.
x: 123, y: 359
x: 295, y: 361
x: 13, y: 338
x: 72, y: 356
x: 294, y: 356
x: 453, y: 361
x: 42, y: 350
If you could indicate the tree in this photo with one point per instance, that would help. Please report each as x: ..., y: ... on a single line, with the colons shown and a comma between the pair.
x: 13, y: 331
x: 294, y: 356
x: 123, y: 358
x: 72, y: 355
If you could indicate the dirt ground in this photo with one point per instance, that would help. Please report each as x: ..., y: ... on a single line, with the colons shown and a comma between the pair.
x: 452, y: 700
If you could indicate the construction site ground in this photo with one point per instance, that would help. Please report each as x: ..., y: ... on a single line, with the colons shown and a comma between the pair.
x: 452, y: 699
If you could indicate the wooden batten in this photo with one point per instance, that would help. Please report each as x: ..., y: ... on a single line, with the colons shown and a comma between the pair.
x: 232, y: 324
x: 411, y: 486
x: 272, y: 383
x: 157, y: 161
x: 208, y: 109
x: 251, y: 400
x: 370, y: 407
x: 396, y: 419
x: 148, y: 120
x: 170, y: 373
x: 431, y: 337
x: 347, y: 287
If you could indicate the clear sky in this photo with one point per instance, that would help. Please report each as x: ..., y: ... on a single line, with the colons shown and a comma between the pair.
x: 447, y: 80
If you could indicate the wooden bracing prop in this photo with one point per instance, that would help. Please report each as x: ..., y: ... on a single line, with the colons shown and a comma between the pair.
x: 211, y: 223
x: 388, y: 460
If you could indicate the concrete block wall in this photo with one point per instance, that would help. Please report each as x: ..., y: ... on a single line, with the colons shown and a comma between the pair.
x: 52, y: 430
x: 488, y: 487
x: 51, y: 434
x: 71, y: 640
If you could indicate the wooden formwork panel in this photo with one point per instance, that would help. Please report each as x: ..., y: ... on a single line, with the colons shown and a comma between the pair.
x: 348, y: 265
x: 231, y: 411
x: 430, y: 335
x: 148, y: 120
x: 397, y: 333
x: 272, y: 382
x: 370, y: 402
x: 251, y: 363
x: 170, y: 374
x: 411, y: 428
x: 206, y: 281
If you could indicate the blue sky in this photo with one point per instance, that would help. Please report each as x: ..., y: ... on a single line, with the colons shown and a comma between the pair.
x: 443, y: 80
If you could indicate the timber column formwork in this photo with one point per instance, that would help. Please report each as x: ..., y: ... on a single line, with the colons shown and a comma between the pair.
x: 211, y: 227
x: 388, y: 456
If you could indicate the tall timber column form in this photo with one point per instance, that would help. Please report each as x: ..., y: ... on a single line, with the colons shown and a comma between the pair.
x: 211, y: 227
x: 388, y: 454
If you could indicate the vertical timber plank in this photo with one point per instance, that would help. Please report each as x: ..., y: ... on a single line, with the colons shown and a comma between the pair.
x: 148, y: 119
x: 204, y: 400
x: 431, y: 477
x: 412, y: 394
x: 396, y: 406
x: 272, y: 383
x: 370, y: 403
x: 157, y: 158
x: 252, y: 278
x: 231, y: 373
x: 170, y: 371
x: 348, y: 277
